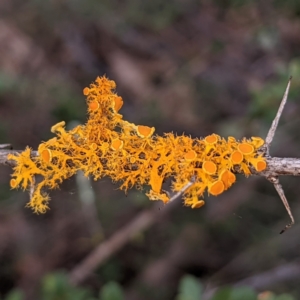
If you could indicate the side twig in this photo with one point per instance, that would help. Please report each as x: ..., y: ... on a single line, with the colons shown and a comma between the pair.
x: 5, y: 146
x: 107, y: 248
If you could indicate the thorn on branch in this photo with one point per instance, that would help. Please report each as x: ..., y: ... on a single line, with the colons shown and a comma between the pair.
x: 275, y: 122
x: 6, y: 146
x: 281, y: 194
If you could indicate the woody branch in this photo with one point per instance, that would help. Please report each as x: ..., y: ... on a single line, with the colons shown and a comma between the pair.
x: 276, y: 166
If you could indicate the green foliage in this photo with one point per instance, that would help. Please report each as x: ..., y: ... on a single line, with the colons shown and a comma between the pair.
x: 292, y: 6
x: 271, y: 296
x: 265, y: 100
x: 284, y: 297
x: 244, y: 293
x: 15, y: 295
x: 6, y: 83
x: 228, y: 293
x: 111, y: 291
x: 189, y: 289
x: 222, y: 294
x: 56, y: 287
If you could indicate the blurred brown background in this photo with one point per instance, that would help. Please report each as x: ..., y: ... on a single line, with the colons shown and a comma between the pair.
x: 188, y: 66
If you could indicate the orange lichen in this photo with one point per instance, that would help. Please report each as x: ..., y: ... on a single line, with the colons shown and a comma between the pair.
x: 144, y: 131
x: 155, y: 179
x: 228, y: 178
x: 86, y: 91
x: 216, y: 188
x: 257, y: 142
x: 13, y: 183
x: 117, y: 144
x: 107, y: 145
x: 209, y: 167
x: 211, y: 139
x: 260, y: 165
x: 246, y: 148
x: 198, y: 204
x: 94, y: 105
x: 46, y: 155
x: 190, y: 156
x: 236, y: 157
x: 94, y: 146
x: 132, y: 159
x: 118, y: 103
x: 58, y: 127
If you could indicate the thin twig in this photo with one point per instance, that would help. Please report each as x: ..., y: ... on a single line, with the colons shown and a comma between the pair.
x: 275, y: 122
x: 243, y: 262
x: 32, y: 187
x: 5, y: 161
x: 264, y: 280
x: 180, y: 193
x: 286, y: 272
x: 107, y: 248
x: 276, y: 166
x: 7, y: 146
x: 87, y: 197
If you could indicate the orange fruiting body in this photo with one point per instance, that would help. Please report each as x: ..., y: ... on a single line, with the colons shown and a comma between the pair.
x: 198, y: 204
x: 216, y: 188
x: 86, y: 91
x: 117, y: 144
x: 211, y: 139
x: 228, y: 178
x: 246, y: 148
x: 94, y: 105
x: 46, y: 155
x: 118, y: 103
x: 144, y: 131
x: 260, y: 166
x: 209, y: 167
x: 190, y: 156
x: 236, y: 157
x: 13, y: 183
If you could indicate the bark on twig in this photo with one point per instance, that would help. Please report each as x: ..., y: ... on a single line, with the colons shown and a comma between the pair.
x: 276, y: 166
x: 11, y: 163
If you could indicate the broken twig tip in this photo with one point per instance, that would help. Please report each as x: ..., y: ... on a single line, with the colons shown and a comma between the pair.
x: 288, y: 226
